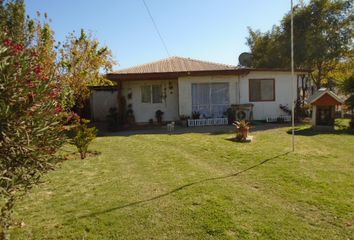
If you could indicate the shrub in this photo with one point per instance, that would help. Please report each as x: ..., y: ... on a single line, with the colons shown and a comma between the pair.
x: 31, y: 123
x: 83, y: 136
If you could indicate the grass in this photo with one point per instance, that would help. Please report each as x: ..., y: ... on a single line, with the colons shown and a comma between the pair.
x: 198, y: 186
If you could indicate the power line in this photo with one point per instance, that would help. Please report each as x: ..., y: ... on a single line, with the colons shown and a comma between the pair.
x: 156, y: 28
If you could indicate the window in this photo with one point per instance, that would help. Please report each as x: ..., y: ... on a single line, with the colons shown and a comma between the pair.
x: 151, y: 94
x: 156, y: 94
x: 146, y: 94
x: 261, y: 90
x: 210, y: 99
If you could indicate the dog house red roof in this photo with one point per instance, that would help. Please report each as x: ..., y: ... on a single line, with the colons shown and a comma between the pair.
x: 325, y: 97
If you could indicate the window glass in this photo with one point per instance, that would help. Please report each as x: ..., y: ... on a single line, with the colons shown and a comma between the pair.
x: 267, y: 90
x: 146, y: 94
x: 210, y: 99
x: 156, y: 94
x: 261, y: 90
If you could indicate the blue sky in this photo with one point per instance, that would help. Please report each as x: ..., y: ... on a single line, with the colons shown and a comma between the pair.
x: 213, y: 30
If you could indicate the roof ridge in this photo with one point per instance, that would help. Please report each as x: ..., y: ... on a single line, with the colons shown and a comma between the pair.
x: 209, y: 62
x: 174, y: 57
x: 140, y: 65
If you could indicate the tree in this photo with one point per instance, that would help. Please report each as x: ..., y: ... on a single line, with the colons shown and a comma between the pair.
x: 82, y: 63
x: 31, y: 129
x: 32, y: 113
x: 322, y: 38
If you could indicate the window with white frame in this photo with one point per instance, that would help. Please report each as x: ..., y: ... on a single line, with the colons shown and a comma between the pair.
x: 151, y: 93
x: 210, y: 99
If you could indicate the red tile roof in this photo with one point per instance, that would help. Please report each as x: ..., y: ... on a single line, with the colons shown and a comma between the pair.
x: 174, y: 67
x: 176, y: 64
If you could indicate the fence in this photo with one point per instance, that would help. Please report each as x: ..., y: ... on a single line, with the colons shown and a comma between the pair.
x: 282, y: 118
x: 207, y: 122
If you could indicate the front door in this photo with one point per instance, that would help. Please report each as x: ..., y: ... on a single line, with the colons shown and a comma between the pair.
x: 324, y: 116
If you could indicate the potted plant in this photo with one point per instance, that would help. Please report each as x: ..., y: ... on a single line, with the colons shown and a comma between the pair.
x: 243, y: 128
x: 158, y: 115
x: 195, y: 115
x: 184, y: 120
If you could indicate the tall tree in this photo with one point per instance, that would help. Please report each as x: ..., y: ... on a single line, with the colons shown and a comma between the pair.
x: 322, y: 38
x: 83, y: 62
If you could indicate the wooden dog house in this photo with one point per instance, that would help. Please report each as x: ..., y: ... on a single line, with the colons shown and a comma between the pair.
x: 324, y: 103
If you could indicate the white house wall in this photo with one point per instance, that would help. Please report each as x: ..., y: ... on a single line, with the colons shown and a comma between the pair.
x: 239, y: 92
x: 283, y: 94
x: 143, y: 112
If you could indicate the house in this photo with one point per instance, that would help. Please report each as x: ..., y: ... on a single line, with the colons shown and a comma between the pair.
x: 180, y: 86
x: 324, y: 103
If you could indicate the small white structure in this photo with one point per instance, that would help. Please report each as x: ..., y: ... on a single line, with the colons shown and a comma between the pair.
x: 102, y: 98
x: 180, y: 86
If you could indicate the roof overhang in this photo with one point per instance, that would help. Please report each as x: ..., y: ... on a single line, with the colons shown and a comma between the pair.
x: 171, y: 75
x: 176, y: 75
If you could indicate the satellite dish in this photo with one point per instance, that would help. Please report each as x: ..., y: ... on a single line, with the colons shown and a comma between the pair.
x: 245, y: 59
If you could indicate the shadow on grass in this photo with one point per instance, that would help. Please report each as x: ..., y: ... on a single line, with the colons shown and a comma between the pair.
x: 183, y: 187
x: 309, y: 131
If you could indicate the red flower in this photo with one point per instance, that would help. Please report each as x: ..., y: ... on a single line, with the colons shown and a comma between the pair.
x: 58, y: 109
x: 38, y: 69
x: 8, y: 42
x: 18, y: 48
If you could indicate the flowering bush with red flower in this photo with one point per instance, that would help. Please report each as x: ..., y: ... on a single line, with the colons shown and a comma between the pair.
x: 31, y: 123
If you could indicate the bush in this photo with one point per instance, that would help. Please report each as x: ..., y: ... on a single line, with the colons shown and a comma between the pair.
x: 351, y: 123
x: 31, y: 123
x: 83, y: 136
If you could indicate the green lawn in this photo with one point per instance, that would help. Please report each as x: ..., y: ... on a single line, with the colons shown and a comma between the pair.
x: 196, y: 186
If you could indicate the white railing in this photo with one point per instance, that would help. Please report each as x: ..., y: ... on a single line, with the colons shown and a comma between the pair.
x: 281, y: 118
x: 207, y: 122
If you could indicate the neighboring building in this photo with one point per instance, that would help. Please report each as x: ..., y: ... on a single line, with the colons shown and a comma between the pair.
x: 179, y: 86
